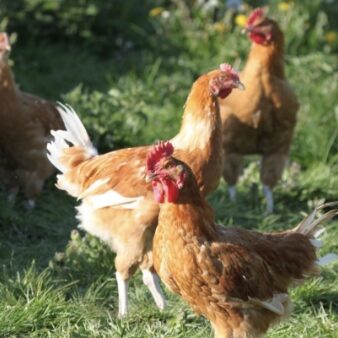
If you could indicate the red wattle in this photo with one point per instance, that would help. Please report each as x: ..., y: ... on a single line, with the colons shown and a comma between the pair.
x: 223, y: 93
x: 171, y: 190
x: 258, y: 38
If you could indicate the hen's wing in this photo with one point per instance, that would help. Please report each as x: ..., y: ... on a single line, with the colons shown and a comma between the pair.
x: 284, y: 101
x: 240, y: 273
x: 228, y: 277
x: 115, y: 177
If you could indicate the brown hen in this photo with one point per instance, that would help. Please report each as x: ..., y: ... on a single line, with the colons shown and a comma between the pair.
x: 260, y: 120
x: 238, y: 279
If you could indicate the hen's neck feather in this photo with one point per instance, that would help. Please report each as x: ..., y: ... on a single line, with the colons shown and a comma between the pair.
x: 270, y: 58
x: 191, y: 213
x: 201, y: 118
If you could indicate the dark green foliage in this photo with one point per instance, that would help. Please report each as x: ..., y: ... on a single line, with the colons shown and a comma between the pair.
x: 98, y: 24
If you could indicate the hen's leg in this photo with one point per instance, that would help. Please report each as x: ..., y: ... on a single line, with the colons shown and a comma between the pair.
x: 271, y: 171
x: 151, y: 280
x: 126, y: 263
x: 268, y: 194
x: 231, y: 171
x: 122, y: 288
x: 12, y: 194
x: 232, y: 192
x: 30, y: 203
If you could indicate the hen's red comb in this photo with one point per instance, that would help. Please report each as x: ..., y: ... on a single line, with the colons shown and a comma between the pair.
x: 256, y: 16
x: 161, y: 150
x: 225, y: 67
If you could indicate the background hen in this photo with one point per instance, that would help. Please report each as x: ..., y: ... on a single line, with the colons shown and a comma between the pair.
x: 261, y: 120
x: 238, y: 279
x: 26, y: 121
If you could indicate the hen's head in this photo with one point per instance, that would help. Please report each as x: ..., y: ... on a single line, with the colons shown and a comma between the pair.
x: 261, y: 29
x: 5, y: 46
x: 224, y: 80
x: 166, y: 174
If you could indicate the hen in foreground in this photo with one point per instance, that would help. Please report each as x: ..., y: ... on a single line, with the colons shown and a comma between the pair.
x: 238, y: 279
x: 260, y: 120
x: 117, y: 204
x: 26, y: 121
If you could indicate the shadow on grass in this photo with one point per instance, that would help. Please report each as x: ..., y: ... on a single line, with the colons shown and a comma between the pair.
x: 41, y: 248
x: 34, y: 234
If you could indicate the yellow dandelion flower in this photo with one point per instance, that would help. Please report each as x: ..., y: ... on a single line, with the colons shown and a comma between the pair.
x: 241, y: 20
x: 331, y: 37
x: 156, y: 11
x: 284, y: 6
x: 220, y: 27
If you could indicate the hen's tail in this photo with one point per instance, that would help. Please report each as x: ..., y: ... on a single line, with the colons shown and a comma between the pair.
x: 310, y: 228
x: 60, y: 153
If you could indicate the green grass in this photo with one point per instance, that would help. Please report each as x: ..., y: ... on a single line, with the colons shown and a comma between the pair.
x: 58, y: 282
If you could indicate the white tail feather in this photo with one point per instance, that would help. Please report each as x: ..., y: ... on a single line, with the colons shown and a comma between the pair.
x: 278, y: 304
x: 75, y: 134
x: 316, y: 243
x: 75, y: 129
x: 309, y: 224
x: 308, y: 227
x: 318, y: 233
x: 327, y: 259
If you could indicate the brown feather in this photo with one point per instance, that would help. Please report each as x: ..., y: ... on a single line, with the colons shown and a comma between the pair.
x: 236, y: 278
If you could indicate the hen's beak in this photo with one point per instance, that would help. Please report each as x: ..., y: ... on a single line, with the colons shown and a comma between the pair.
x: 246, y: 29
x: 150, y: 177
x: 238, y: 84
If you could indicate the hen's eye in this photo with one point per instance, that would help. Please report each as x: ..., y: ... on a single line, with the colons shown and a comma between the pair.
x: 180, y: 168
